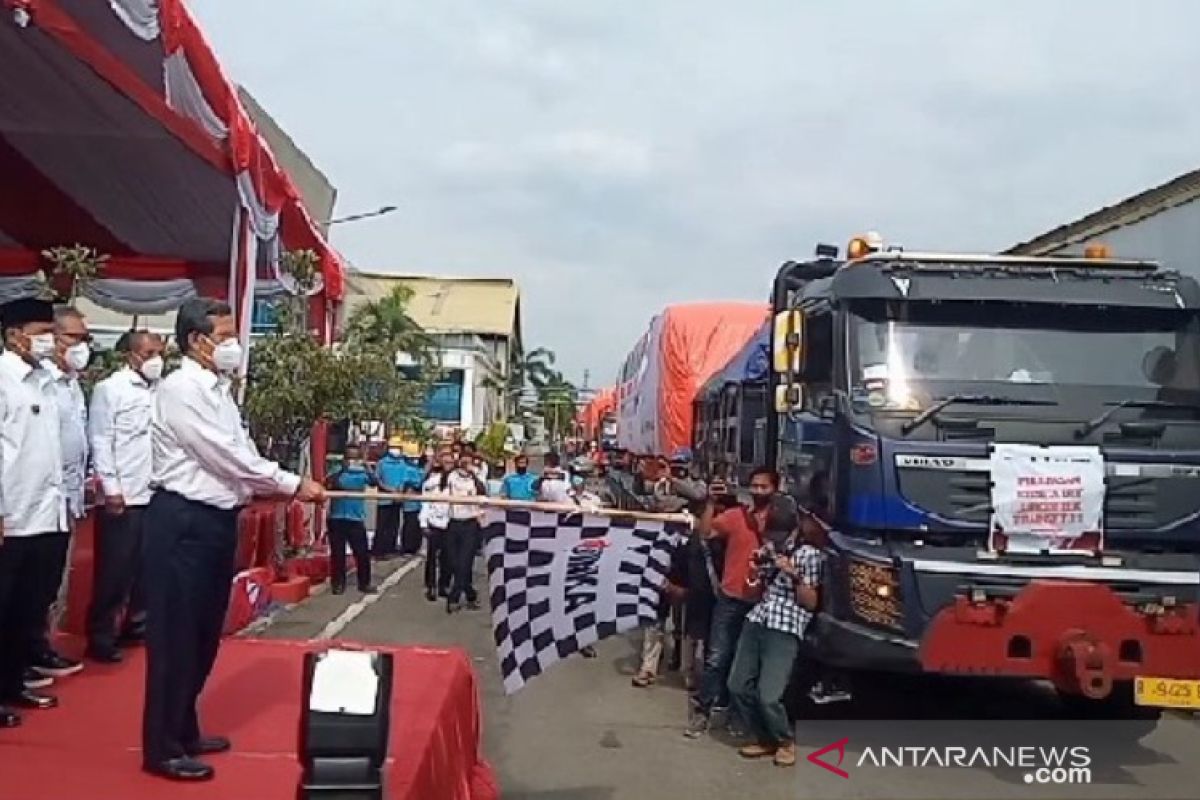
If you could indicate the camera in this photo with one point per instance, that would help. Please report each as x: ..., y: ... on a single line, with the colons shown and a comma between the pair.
x: 762, y: 563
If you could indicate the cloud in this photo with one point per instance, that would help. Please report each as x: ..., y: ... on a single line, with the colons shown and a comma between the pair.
x: 617, y: 157
x: 583, y: 154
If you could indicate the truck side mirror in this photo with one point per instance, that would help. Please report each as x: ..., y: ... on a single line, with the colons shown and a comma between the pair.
x: 787, y: 342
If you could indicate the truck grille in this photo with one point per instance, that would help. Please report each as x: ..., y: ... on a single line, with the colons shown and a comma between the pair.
x: 1133, y: 503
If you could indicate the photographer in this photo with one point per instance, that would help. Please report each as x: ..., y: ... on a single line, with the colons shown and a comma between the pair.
x: 742, y: 531
x: 770, y: 639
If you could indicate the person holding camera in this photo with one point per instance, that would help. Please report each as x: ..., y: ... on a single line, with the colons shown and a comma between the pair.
x: 770, y: 640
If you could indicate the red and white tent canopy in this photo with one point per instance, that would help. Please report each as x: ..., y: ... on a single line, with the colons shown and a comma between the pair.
x: 119, y: 130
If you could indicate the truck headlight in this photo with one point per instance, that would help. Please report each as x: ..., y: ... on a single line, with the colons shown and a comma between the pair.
x: 875, y: 595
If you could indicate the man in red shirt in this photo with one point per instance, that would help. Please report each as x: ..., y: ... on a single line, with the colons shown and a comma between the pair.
x: 742, y: 530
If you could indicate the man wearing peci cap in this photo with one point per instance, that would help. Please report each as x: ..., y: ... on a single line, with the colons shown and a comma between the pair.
x: 204, y: 470
x: 33, y: 502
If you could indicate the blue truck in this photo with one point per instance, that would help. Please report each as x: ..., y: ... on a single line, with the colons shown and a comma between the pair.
x: 1005, y: 454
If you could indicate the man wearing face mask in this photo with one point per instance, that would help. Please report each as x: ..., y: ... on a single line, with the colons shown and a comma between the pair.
x: 71, y: 356
x: 33, y: 504
x: 519, y: 484
x: 743, y: 531
x: 119, y: 426
x: 204, y: 470
x: 394, y: 475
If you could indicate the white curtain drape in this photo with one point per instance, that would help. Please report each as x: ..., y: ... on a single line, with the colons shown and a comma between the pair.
x: 139, y: 297
x: 185, y: 96
x: 15, y: 287
x: 264, y: 223
x: 140, y: 16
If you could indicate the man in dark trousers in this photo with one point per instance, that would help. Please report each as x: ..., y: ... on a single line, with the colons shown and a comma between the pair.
x: 33, y: 502
x: 121, y: 452
x: 205, y: 470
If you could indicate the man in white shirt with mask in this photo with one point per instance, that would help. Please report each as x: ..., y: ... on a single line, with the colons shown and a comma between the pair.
x: 72, y: 353
x: 33, y: 507
x: 204, y: 471
x: 119, y: 427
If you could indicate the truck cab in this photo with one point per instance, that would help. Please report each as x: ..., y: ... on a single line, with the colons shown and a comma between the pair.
x: 1006, y: 453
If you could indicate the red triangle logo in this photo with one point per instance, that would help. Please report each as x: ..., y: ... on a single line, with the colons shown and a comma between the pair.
x: 840, y: 747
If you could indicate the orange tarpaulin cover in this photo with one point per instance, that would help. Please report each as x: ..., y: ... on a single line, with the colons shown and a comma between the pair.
x: 685, y: 346
x: 604, y: 403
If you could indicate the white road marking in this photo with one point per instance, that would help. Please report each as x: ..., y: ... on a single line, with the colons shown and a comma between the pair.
x: 355, y: 609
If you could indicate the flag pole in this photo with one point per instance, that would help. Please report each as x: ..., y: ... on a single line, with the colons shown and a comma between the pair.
x: 495, y: 502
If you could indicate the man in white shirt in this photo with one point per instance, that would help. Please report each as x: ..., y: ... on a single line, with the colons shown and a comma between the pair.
x: 33, y: 508
x: 554, y: 485
x: 119, y: 426
x: 204, y: 471
x: 72, y: 353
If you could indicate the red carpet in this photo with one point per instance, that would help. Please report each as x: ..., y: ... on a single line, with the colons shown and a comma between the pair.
x: 90, y: 745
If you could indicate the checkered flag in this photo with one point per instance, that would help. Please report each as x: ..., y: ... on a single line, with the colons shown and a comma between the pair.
x: 561, y: 582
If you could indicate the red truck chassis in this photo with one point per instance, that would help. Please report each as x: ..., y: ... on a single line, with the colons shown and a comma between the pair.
x: 1080, y: 636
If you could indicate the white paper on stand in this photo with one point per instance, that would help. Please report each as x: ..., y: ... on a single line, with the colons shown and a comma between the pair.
x: 344, y: 682
x: 1044, y: 499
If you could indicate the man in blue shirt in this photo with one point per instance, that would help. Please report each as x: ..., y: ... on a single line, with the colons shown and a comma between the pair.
x: 518, y: 485
x: 398, y: 471
x: 414, y: 476
x: 347, y: 522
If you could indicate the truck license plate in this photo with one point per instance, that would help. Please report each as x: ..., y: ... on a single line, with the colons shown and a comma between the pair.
x: 1166, y: 693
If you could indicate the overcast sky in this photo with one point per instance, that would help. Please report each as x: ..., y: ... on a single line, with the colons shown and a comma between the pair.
x: 617, y: 156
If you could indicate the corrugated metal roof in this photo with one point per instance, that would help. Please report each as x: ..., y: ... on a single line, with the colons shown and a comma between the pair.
x: 1176, y: 192
x: 487, y: 306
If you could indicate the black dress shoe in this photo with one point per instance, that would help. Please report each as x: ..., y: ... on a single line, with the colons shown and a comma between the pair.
x: 31, y: 699
x: 182, y: 769
x: 9, y: 718
x: 132, y: 638
x: 105, y: 655
x: 208, y: 745
x: 33, y: 680
x: 368, y: 590
x: 56, y: 666
x: 338, y: 589
x: 431, y: 595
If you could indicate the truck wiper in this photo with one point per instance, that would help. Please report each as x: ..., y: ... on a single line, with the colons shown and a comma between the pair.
x: 968, y: 399
x: 1085, y: 430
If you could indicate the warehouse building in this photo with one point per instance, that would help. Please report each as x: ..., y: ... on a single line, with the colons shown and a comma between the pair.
x: 476, y: 323
x: 1161, y: 224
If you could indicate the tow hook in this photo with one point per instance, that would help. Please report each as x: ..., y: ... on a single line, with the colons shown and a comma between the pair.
x: 1084, y: 666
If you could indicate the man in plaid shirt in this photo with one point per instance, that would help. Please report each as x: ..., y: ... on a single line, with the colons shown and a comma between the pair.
x: 767, y: 650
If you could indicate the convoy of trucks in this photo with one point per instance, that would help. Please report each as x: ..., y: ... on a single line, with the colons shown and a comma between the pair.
x: 683, y: 347
x: 1005, y: 452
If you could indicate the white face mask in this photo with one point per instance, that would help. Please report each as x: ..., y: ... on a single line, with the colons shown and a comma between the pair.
x: 394, y: 452
x: 41, y: 346
x: 152, y: 368
x: 78, y: 356
x: 227, y: 357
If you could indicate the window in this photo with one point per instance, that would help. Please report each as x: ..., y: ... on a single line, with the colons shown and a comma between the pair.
x: 265, y: 318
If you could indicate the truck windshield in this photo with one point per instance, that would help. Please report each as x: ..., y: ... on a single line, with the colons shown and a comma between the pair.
x: 905, y: 355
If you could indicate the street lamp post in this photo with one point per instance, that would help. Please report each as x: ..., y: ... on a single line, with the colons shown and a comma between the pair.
x: 379, y: 212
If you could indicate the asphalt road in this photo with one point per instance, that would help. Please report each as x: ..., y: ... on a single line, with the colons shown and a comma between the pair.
x: 582, y: 732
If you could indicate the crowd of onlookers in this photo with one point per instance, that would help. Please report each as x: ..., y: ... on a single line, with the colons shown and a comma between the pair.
x: 739, y: 598
x: 740, y: 593
x: 452, y: 532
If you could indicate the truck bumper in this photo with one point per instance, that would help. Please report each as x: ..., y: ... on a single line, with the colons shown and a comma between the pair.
x: 1080, y: 636
x: 839, y: 643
